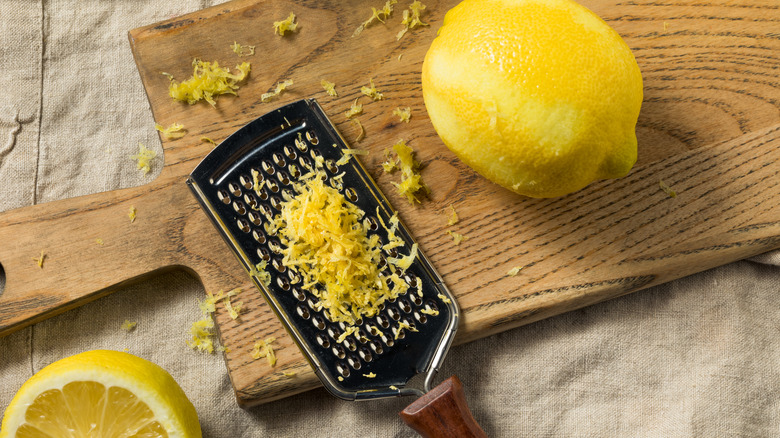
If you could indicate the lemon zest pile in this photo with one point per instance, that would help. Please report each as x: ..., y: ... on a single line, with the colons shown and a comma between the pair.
x: 411, y: 18
x: 288, y: 24
x: 354, y: 110
x: 668, y: 190
x: 386, y: 10
x: 404, y: 114
x: 259, y: 269
x: 173, y: 132
x: 132, y: 214
x: 202, y: 330
x: 40, y: 259
x: 242, y: 50
x: 372, y: 92
x: 129, y: 326
x: 325, y: 241
x: 280, y: 87
x: 330, y: 88
x: 263, y: 349
x: 208, y: 81
x: 349, y: 153
x: 144, y: 158
x: 457, y: 238
x: 362, y: 133
x: 411, y: 180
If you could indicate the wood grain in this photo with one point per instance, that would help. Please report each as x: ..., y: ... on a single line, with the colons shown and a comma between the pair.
x: 709, y: 128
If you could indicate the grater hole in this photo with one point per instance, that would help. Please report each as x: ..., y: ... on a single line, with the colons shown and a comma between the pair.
x: 251, y: 201
x: 404, y: 304
x: 277, y: 264
x: 298, y: 294
x: 331, y: 165
x: 301, y: 145
x: 263, y: 195
x: 312, y: 137
x: 245, y: 181
x: 351, y: 194
x: 239, y: 207
x: 224, y: 196
x: 313, y: 305
x: 260, y: 178
x: 279, y: 159
x: 417, y: 299
x: 361, y: 336
x: 322, y: 340
x: 267, y: 167
x: 400, y: 333
x: 255, y: 219
x: 411, y: 280
x: 333, y: 332
x: 350, y: 343
x: 376, y: 347
x: 373, y: 225
x: 276, y: 203
x: 389, y: 341
x: 318, y: 322
x: 294, y: 171
x: 263, y: 253
x: 383, y: 321
x: 303, y: 311
x: 283, y: 283
x: 243, y: 225
x: 293, y: 276
x: 420, y: 317
x: 273, y: 185
x: 392, y: 252
x: 284, y: 178
x: 342, y: 369
x: 394, y: 313
x: 430, y: 305
x: 290, y: 152
x: 373, y: 330
x: 382, y: 264
x: 235, y: 189
x: 287, y: 194
x: 305, y: 162
x: 274, y: 246
x: 339, y: 351
x: 365, y: 354
x: 315, y: 153
x: 354, y: 361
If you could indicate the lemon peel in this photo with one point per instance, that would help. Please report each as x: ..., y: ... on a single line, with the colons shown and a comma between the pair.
x: 208, y: 81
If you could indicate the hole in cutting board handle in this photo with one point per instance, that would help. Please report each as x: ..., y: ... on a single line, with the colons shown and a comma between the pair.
x: 2, y: 280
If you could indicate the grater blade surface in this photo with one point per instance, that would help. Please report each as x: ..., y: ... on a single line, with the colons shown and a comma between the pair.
x: 224, y: 186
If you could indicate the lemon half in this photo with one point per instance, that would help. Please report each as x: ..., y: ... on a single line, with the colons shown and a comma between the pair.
x: 101, y: 394
x: 539, y: 96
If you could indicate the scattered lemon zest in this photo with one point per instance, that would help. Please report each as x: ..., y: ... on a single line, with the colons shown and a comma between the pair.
x: 40, y: 259
x: 411, y: 18
x: 403, y: 325
x: 389, y: 164
x: 242, y: 50
x: 456, y: 237
x: 128, y: 325
x: 278, y: 89
x: 666, y: 26
x: 399, y: 56
x: 208, y: 81
x: 362, y: 133
x: 354, y: 110
x: 393, y: 387
x: 348, y: 154
x: 372, y: 92
x: 454, y: 218
x: 144, y: 158
x: 405, y: 261
x: 264, y: 349
x: 289, y: 373
x: 370, y: 375
x: 444, y: 299
x: 668, y: 190
x: 99, y: 241
x: 288, y: 24
x: 427, y: 311
x: 330, y: 88
x: 512, y: 272
x: 233, y: 309
x: 225, y: 349
x: 341, y: 379
x: 260, y: 272
x: 202, y: 330
x: 350, y: 330
x: 404, y: 114
x: 208, y: 140
x: 386, y: 10
x: 132, y: 214
x: 173, y: 132
x: 411, y: 180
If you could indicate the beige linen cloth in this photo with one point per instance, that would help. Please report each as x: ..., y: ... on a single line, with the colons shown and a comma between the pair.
x: 697, y: 357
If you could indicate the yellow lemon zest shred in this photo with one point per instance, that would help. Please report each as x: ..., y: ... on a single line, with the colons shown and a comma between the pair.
x: 371, y: 91
x: 144, y: 158
x: 404, y: 114
x: 411, y: 18
x: 454, y: 217
x: 456, y: 237
x: 512, y: 272
x: 173, y: 132
x: 385, y: 12
x: 128, y: 325
x: 370, y: 375
x: 288, y: 24
x: 132, y: 214
x: 348, y: 154
x: 208, y: 81
x: 362, y: 133
x: 411, y: 180
x: 354, y: 110
x: 668, y: 190
x: 241, y: 50
x: 263, y: 348
x: 278, y: 89
x: 40, y: 259
x: 330, y: 88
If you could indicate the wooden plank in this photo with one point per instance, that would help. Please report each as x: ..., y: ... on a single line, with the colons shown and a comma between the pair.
x: 709, y: 127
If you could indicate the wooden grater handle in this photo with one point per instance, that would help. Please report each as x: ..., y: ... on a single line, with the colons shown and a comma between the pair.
x: 443, y: 412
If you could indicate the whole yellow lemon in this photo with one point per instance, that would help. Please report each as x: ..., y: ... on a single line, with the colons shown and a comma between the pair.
x: 539, y: 96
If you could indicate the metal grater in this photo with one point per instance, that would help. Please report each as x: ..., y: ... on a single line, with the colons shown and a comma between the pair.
x: 223, y: 184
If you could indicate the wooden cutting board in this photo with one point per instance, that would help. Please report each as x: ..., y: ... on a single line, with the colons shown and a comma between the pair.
x: 709, y: 128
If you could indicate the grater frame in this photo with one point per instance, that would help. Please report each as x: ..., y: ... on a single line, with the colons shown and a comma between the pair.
x: 219, y: 183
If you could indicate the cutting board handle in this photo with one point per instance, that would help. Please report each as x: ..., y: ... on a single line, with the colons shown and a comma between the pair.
x: 443, y: 412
